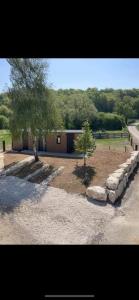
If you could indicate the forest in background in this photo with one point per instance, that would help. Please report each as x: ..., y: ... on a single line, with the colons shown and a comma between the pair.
x: 105, y: 109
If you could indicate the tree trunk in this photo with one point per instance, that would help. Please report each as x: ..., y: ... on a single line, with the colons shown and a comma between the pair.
x: 35, y: 149
x: 84, y: 160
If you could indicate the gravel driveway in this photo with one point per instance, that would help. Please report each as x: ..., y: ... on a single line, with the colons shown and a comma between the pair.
x: 30, y: 214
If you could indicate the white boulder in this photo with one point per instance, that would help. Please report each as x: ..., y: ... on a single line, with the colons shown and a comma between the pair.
x: 97, y: 193
x: 112, y: 181
x: 125, y: 166
x: 1, y: 161
x: 112, y: 195
x: 120, y: 188
x: 119, y: 173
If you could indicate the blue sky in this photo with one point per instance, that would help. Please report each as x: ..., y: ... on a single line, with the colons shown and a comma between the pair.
x: 85, y: 73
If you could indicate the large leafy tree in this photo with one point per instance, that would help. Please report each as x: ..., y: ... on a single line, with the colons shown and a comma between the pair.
x: 75, y: 109
x: 33, y: 106
x: 85, y: 142
x: 125, y: 108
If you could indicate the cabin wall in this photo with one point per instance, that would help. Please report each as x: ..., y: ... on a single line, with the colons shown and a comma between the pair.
x: 52, y: 145
x: 49, y: 143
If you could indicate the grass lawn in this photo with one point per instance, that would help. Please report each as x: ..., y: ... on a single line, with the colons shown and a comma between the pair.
x: 117, y: 143
x: 112, y: 131
x: 5, y: 135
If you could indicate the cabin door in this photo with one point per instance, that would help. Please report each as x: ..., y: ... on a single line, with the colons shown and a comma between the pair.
x: 70, y: 142
x: 25, y: 140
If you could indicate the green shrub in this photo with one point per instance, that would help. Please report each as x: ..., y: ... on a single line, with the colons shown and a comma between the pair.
x: 107, y: 121
x: 5, y: 111
x: 4, y: 122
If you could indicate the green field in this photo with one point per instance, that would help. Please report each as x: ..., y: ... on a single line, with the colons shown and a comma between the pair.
x: 113, y: 143
x: 5, y: 135
x: 112, y: 131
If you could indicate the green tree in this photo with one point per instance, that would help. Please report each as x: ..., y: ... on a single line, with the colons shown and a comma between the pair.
x: 85, y: 142
x: 136, y: 107
x: 125, y: 108
x: 33, y: 106
x: 4, y: 122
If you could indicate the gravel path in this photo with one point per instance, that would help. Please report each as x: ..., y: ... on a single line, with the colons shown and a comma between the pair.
x: 33, y: 215
x: 135, y: 133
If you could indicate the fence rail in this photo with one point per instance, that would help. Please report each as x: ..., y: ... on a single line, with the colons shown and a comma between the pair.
x: 110, y: 135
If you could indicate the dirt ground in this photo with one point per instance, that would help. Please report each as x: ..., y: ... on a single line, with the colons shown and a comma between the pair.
x: 99, y: 166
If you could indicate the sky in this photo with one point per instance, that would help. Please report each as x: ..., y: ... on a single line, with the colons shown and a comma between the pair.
x: 84, y: 73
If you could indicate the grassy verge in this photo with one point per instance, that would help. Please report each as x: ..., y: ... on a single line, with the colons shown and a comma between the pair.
x: 113, y: 143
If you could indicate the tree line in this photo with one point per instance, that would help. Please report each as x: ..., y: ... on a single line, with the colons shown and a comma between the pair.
x: 106, y: 109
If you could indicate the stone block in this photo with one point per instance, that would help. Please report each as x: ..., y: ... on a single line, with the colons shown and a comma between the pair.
x: 97, y: 193
x: 112, y: 181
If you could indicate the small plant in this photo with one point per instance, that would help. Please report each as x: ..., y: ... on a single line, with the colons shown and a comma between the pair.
x: 85, y: 143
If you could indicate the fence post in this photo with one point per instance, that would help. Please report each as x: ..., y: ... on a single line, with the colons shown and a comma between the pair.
x: 125, y: 148
x: 3, y: 146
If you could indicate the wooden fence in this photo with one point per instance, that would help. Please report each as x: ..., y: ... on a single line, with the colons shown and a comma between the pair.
x: 110, y: 135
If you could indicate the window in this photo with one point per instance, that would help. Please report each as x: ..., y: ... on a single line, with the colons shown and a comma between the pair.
x: 58, y: 139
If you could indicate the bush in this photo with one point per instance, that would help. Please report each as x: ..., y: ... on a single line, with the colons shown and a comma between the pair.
x: 4, y: 122
x: 5, y: 111
x: 107, y: 121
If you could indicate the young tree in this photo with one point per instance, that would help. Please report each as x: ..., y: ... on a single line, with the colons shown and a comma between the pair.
x: 85, y: 142
x: 32, y: 104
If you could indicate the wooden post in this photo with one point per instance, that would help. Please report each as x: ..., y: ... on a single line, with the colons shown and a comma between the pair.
x: 125, y: 148
x: 3, y: 146
x: 109, y: 147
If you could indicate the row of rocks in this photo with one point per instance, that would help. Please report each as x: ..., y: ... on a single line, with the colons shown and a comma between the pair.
x: 17, y: 166
x: 116, y: 182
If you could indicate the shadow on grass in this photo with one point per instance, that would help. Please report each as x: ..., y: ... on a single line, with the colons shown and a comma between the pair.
x: 86, y: 173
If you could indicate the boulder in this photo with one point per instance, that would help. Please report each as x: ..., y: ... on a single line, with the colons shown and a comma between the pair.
x: 112, y: 195
x: 1, y: 161
x: 119, y: 173
x: 126, y: 178
x: 112, y: 181
x: 97, y: 193
x: 125, y: 182
x: 125, y: 166
x: 120, y: 188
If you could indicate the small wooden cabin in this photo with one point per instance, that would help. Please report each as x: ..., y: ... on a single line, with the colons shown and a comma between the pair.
x: 57, y: 142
